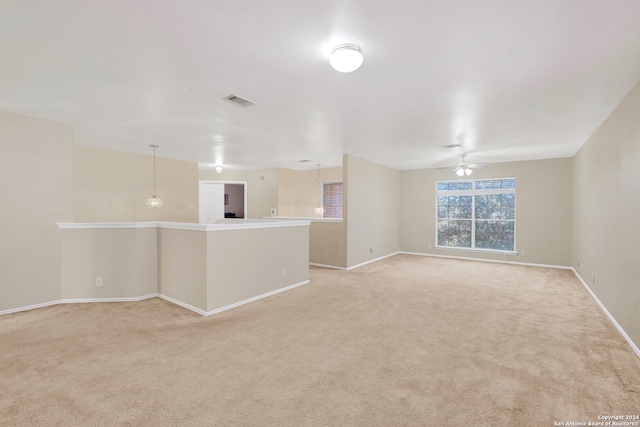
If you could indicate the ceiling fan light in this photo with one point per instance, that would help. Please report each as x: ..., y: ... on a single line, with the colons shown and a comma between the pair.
x: 467, y: 171
x: 219, y: 169
x: 346, y: 58
x: 460, y: 172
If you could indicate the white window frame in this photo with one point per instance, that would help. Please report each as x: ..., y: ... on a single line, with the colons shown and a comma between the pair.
x: 322, y: 198
x: 476, y: 192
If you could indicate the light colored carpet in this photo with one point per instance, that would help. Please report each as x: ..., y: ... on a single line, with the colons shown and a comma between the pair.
x: 407, y: 341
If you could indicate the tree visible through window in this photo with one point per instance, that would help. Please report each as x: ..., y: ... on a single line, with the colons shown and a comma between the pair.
x: 477, y: 214
x: 332, y: 199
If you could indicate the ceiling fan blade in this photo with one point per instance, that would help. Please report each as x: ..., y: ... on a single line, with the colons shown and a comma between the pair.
x: 477, y: 165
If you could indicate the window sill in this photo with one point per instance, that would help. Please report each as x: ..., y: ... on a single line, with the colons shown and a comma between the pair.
x: 476, y: 251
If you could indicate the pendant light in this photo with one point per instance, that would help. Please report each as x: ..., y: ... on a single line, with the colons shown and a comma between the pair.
x: 318, y: 210
x: 154, y: 202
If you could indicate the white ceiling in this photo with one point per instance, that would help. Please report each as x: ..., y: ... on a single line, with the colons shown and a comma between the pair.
x: 507, y: 79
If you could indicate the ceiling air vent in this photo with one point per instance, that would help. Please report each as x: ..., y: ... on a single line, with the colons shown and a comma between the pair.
x: 239, y: 101
x: 451, y: 146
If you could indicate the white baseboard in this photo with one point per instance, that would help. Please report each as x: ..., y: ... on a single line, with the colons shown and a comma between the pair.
x: 634, y: 347
x: 74, y: 301
x: 498, y: 261
x: 124, y: 299
x: 182, y: 304
x: 230, y: 306
x: 444, y: 256
x: 30, y: 307
x: 268, y: 294
x: 144, y: 297
x: 335, y: 267
x: 372, y: 260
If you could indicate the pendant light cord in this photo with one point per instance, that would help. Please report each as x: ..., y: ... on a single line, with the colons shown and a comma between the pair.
x: 154, y: 202
x: 154, y: 169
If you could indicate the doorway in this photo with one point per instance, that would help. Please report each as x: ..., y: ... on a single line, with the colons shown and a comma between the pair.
x: 222, y: 199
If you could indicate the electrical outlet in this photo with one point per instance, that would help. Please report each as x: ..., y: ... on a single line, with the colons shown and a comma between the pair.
x: 430, y: 246
x: 98, y: 281
x: 523, y: 253
x: 593, y: 278
x: 283, y: 273
x: 370, y: 250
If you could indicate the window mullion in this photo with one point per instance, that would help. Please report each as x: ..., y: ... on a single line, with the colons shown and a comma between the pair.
x: 473, y: 222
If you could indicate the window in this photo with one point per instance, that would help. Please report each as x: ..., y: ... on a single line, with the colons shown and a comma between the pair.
x: 477, y: 214
x: 332, y: 199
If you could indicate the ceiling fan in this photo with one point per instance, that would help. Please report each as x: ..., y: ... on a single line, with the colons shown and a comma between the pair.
x: 464, y: 168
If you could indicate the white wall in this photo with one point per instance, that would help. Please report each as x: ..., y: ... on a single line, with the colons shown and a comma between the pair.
x: 607, y: 211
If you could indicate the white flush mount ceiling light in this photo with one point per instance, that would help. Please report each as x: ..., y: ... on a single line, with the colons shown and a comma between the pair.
x: 154, y: 202
x: 346, y: 58
x: 218, y: 168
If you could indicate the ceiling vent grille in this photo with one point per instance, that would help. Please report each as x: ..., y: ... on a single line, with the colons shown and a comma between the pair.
x: 451, y: 146
x: 239, y: 101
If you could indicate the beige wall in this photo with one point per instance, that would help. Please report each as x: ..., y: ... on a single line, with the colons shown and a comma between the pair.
x: 112, y: 186
x: 372, y: 210
x: 125, y: 259
x: 328, y: 243
x: 262, y: 188
x: 543, y: 210
x: 182, y: 266
x: 204, y: 270
x: 243, y: 264
x: 289, y: 197
x: 606, y: 214
x: 298, y: 191
x: 36, y: 181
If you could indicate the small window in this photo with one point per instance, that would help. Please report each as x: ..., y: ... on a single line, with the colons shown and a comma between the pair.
x: 477, y: 214
x: 332, y: 199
